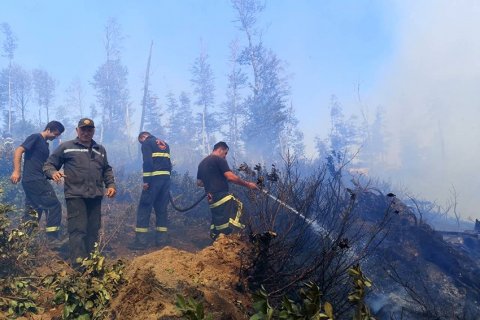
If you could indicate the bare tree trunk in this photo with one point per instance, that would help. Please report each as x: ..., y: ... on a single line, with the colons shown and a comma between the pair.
x: 10, y: 97
x: 145, y: 89
x: 145, y: 94
x: 204, y: 132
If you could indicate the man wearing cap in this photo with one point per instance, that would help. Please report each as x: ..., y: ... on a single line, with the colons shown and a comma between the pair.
x: 156, y: 187
x: 86, y: 173
x: 39, y: 193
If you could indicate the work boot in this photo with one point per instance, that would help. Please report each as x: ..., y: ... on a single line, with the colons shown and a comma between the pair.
x: 55, y: 242
x: 53, y: 235
x: 161, y: 239
x: 140, y: 242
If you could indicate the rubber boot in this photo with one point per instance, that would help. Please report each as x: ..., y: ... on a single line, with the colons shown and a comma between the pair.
x: 161, y: 239
x: 140, y: 242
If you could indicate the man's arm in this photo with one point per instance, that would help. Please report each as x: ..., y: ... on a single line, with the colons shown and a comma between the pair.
x: 53, y: 164
x: 108, y: 178
x: 147, y: 163
x: 237, y: 180
x: 17, y: 164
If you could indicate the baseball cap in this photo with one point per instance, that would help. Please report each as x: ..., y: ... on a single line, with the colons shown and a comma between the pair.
x: 86, y: 122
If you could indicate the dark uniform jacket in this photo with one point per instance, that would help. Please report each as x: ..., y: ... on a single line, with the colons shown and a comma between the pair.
x: 86, y: 169
x: 156, y: 159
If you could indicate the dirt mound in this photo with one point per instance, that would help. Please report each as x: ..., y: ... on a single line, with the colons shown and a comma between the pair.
x: 209, y: 276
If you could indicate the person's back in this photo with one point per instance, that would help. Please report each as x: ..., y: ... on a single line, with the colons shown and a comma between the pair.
x: 156, y: 158
x: 211, y: 171
x: 155, y: 191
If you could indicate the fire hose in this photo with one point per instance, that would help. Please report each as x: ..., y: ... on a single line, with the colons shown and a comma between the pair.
x: 204, y: 195
x: 188, y: 208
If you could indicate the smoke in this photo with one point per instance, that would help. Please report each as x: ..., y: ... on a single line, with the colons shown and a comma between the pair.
x: 431, y: 93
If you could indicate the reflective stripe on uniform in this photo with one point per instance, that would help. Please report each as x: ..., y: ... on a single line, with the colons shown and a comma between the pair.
x: 221, y: 201
x: 161, y: 154
x: 83, y: 150
x: 220, y: 227
x: 161, y: 229
x: 235, y: 222
x: 156, y: 173
x: 141, y: 230
x: 52, y: 229
x: 97, y: 152
x: 75, y: 150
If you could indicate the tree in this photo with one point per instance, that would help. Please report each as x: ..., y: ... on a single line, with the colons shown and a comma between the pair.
x: 44, y: 86
x: 9, y: 46
x: 291, y: 140
x: 374, y: 149
x: 344, y: 139
x: 202, y: 80
x: 267, y: 111
x: 153, y: 115
x: 182, y: 132
x: 110, y: 83
x: 21, y: 90
x: 233, y: 109
x: 75, y: 97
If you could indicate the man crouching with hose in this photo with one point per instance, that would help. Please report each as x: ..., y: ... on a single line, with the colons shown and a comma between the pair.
x: 214, y: 174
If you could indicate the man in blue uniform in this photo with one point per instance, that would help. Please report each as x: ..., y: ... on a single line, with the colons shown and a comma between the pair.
x: 86, y: 174
x: 39, y: 193
x: 155, y: 192
x: 214, y: 174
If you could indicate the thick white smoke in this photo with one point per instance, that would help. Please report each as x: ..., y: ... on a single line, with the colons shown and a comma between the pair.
x: 431, y: 93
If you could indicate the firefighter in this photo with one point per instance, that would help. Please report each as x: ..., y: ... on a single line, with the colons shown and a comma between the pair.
x: 155, y: 192
x: 39, y: 193
x: 214, y: 174
x: 86, y: 174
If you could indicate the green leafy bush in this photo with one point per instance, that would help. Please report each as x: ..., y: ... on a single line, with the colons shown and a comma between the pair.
x: 87, y: 294
x: 191, y: 309
x: 311, y: 305
x: 17, y: 251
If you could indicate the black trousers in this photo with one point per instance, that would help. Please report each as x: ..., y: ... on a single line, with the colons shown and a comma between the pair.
x: 40, y: 196
x: 84, y: 222
x: 221, y: 214
x: 156, y: 197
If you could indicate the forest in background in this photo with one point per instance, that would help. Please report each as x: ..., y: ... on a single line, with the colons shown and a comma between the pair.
x: 254, y: 115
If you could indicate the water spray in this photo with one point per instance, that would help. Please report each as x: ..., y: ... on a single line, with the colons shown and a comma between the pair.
x: 316, y: 227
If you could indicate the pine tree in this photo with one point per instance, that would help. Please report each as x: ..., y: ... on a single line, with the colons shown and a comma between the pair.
x: 44, y: 87
x: 204, y: 90
x: 110, y: 83
x: 233, y: 109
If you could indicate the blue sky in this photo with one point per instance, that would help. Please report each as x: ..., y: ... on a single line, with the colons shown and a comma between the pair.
x: 329, y: 47
x: 418, y: 60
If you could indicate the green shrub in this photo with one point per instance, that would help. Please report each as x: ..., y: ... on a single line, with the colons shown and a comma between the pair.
x: 191, y: 309
x: 17, y: 251
x: 87, y: 294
